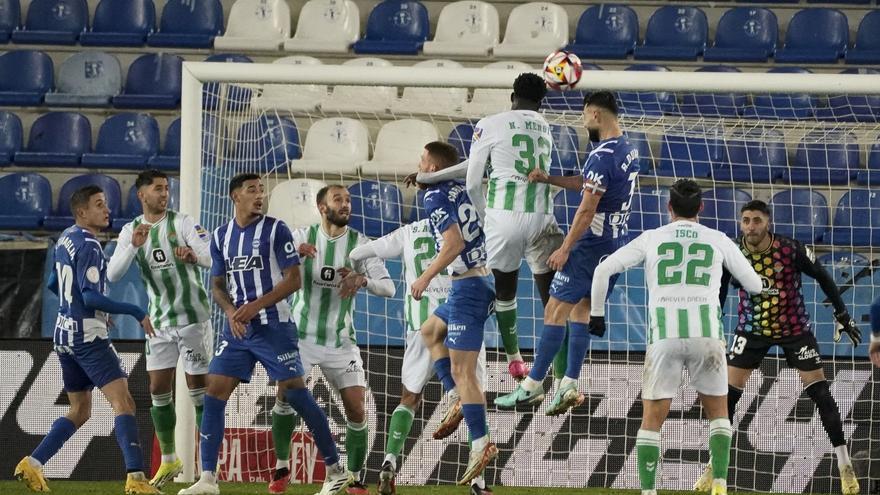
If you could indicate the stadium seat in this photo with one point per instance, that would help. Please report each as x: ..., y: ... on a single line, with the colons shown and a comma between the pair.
x: 153, y: 81
x: 461, y: 137
x: 326, y: 26
x: 237, y: 97
x: 852, y: 107
x: 685, y: 154
x: 652, y: 104
x: 433, y: 100
x: 267, y: 144
x: 646, y: 156
x: 564, y: 159
x: 132, y: 209
x: 121, y: 23
x: 125, y: 140
x: 10, y: 18
x: 398, y: 27
x: 334, y: 146
x: 856, y: 218
x: 465, y: 28
x: 398, y: 147
x: 361, y: 98
x: 375, y: 207
x: 28, y: 201
x: 256, y: 25
x: 57, y: 139
x: 675, y: 32
x: 721, y: 209
x: 565, y: 204
x: 169, y: 158
x: 648, y: 209
x: 754, y: 156
x: 800, y: 213
x: 823, y: 158
x: 744, y: 34
x: 866, y: 49
x: 53, y: 22
x: 293, y: 202
x: 189, y: 24
x: 86, y: 79
x: 713, y: 104
x: 61, y: 217
x: 289, y: 97
x: 815, y: 36
x: 487, y: 101
x: 781, y: 105
x: 417, y: 208
x: 606, y: 31
x: 11, y: 136
x: 27, y: 76
x: 534, y: 29
x: 870, y: 177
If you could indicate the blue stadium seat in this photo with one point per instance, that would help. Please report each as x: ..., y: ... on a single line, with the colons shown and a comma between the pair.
x: 417, y: 209
x: 237, y: 97
x: 57, y: 139
x: 189, y: 24
x: 866, y: 49
x: 28, y: 199
x: 132, y: 209
x: 856, y: 220
x: 800, y: 213
x: 781, y: 105
x: 823, y: 158
x: 721, y: 209
x: 852, y: 107
x: 126, y: 141
x: 744, y: 34
x: 606, y: 31
x: 461, y: 137
x: 27, y: 76
x: 169, y: 158
x: 713, y: 104
x: 10, y: 18
x: 53, y: 22
x: 564, y: 160
x: 753, y: 156
x: 649, y: 209
x: 649, y: 103
x: 86, y: 79
x: 675, y: 32
x: 375, y: 207
x: 871, y: 177
x: 61, y: 217
x: 646, y: 156
x: 121, y: 23
x: 11, y: 136
x: 691, y: 156
x: 815, y: 36
x: 267, y: 143
x: 397, y: 27
x: 565, y: 205
x: 153, y: 81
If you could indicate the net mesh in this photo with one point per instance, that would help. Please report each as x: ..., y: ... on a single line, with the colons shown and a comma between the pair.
x: 813, y: 168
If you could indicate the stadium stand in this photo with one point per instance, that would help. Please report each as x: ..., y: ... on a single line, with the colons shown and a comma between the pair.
x: 674, y: 33
x: 27, y: 76
x: 466, y: 28
x: 326, y: 26
x: 606, y: 31
x: 188, y: 24
x: 121, y: 23
x: 57, y: 139
x: 53, y: 22
x: 86, y: 79
x: 27, y: 199
x: 395, y: 27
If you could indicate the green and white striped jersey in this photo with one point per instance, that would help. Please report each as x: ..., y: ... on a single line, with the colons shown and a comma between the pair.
x: 512, y: 144
x: 684, y: 263
x: 175, y: 288
x: 321, y: 315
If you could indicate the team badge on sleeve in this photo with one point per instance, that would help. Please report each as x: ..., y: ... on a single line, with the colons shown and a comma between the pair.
x: 201, y: 232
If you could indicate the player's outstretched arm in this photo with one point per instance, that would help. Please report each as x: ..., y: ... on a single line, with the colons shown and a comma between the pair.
x: 386, y: 247
x: 453, y: 245
x: 579, y: 225
x: 628, y: 256
x: 807, y: 263
x: 96, y: 301
x: 455, y: 172
x: 573, y: 182
x: 738, y: 266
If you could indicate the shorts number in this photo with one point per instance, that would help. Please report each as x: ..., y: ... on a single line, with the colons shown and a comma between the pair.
x: 739, y: 345
x: 221, y: 347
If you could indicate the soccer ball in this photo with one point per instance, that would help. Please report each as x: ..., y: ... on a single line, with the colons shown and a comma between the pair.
x: 562, y: 70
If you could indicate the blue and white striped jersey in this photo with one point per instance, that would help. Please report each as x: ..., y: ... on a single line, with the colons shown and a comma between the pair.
x: 448, y: 204
x: 80, y: 265
x: 612, y: 169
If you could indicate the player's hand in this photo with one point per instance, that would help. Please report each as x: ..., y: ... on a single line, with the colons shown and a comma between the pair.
x: 186, y: 254
x: 351, y: 283
x: 148, y: 326
x: 246, y: 312
x: 845, y: 324
x: 538, y: 175
x: 419, y: 287
x: 307, y: 250
x: 874, y: 352
x: 597, y: 326
x: 558, y: 259
x: 140, y: 234
x: 237, y: 328
x: 410, y: 180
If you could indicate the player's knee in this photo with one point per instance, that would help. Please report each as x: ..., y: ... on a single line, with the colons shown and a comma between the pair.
x: 159, y: 387
x: 123, y: 404
x: 355, y: 412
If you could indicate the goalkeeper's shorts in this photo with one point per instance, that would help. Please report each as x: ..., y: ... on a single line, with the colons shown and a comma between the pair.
x: 747, y: 350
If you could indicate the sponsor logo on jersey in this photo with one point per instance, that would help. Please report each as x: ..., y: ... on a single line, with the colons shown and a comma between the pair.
x: 328, y: 273
x: 244, y: 263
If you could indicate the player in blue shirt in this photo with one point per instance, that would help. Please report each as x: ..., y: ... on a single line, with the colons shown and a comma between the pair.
x: 253, y: 273
x: 597, y: 230
x: 82, y: 343
x: 454, y: 333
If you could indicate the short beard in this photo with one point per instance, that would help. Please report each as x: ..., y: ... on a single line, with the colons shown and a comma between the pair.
x: 594, y: 135
x: 336, y: 219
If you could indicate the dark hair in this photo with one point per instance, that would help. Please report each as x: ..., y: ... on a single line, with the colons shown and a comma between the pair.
x: 528, y: 86
x: 322, y: 193
x: 81, y: 197
x: 445, y: 154
x: 685, y: 197
x: 602, y: 99
x: 756, y: 205
x: 237, y: 181
x: 147, y: 177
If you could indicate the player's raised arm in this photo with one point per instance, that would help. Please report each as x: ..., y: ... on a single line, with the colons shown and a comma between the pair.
x: 372, y: 275
x: 592, y: 193
x: 123, y: 255
x: 807, y: 263
x: 88, y: 260
x: 386, y: 247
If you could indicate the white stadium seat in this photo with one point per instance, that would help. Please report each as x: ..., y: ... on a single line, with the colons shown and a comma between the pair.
x: 293, y: 201
x: 256, y: 25
x: 534, y: 30
x: 303, y: 97
x: 489, y: 101
x: 465, y: 28
x: 399, y: 147
x: 334, y: 146
x: 326, y: 26
x: 433, y: 100
x: 361, y: 98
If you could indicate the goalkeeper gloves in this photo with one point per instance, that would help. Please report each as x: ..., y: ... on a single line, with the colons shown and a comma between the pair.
x: 845, y: 324
x: 597, y: 326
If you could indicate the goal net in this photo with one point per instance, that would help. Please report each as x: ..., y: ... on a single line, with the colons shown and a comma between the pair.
x: 806, y: 144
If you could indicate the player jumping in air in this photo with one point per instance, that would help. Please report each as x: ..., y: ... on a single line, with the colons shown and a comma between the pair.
x: 82, y: 343
x: 254, y: 271
x: 683, y: 269
x: 778, y: 316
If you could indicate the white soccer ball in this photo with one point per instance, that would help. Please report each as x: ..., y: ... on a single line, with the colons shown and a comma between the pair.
x: 562, y: 70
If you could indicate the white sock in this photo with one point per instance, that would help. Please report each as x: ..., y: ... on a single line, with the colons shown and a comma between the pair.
x: 392, y: 459
x: 160, y: 400
x: 453, y: 396
x: 649, y: 492
x: 169, y: 457
x: 566, y: 380
x: 842, y: 456
x: 530, y: 385
x: 208, y: 477
x: 719, y: 482
x: 282, y: 464
x: 138, y: 475
x: 480, y: 443
x: 335, y: 468
x: 479, y: 481
x: 513, y: 357
x: 35, y: 463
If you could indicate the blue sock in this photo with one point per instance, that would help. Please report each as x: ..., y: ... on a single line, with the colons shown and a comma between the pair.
x: 304, y: 404
x: 548, y: 346
x: 443, y: 368
x: 127, y: 438
x: 475, y: 417
x: 211, y: 436
x: 61, y: 431
x: 578, y: 341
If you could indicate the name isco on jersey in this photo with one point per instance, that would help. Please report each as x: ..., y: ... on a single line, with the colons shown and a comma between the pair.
x: 244, y: 263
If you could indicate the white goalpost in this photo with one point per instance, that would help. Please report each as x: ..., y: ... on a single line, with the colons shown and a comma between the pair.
x: 808, y: 144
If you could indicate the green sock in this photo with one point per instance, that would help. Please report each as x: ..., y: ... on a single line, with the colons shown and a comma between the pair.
x: 719, y: 446
x: 560, y: 360
x: 505, y: 312
x: 283, y: 423
x: 163, y: 421
x: 398, y: 430
x: 356, y: 445
x: 199, y: 410
x: 648, y: 452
